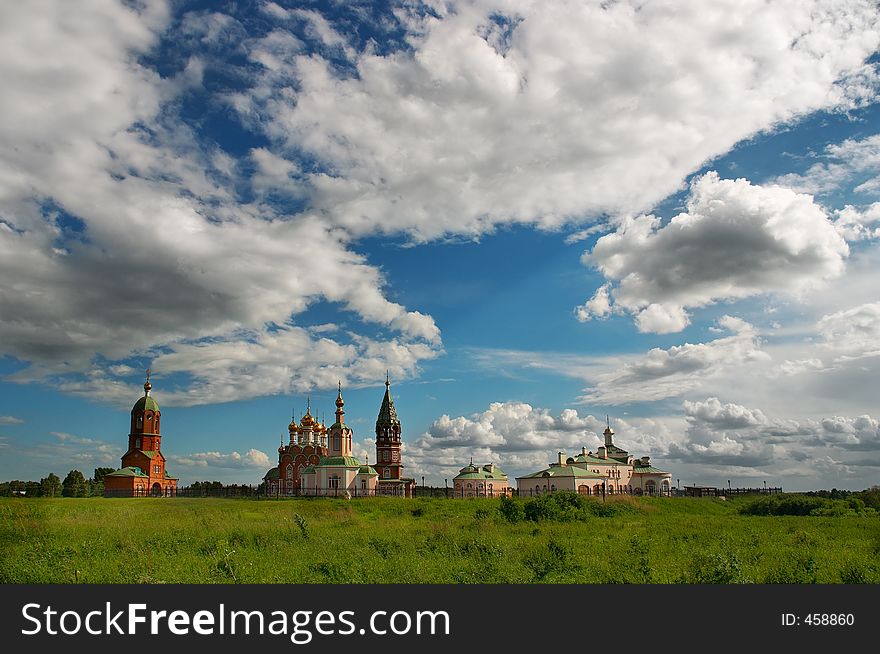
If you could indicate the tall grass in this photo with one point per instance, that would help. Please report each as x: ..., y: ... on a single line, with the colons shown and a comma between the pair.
x: 395, y: 540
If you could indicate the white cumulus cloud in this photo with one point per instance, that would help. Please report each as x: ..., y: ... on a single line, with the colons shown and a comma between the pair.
x: 735, y: 240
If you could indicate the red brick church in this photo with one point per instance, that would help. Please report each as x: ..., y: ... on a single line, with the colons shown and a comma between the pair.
x: 143, y: 471
x: 318, y: 460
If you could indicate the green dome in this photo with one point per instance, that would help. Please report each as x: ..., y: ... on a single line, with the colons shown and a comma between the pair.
x: 146, y: 403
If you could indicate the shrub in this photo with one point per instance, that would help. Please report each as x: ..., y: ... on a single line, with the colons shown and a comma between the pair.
x: 718, y: 568
x: 794, y: 571
x: 546, y: 560
x: 785, y: 505
x: 511, y: 509
x: 858, y: 573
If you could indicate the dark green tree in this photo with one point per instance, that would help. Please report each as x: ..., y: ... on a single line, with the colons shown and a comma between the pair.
x: 51, y: 485
x: 74, y: 484
x: 96, y: 483
x: 99, y: 474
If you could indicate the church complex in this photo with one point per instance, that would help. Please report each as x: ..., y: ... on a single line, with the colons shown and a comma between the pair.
x: 319, y: 461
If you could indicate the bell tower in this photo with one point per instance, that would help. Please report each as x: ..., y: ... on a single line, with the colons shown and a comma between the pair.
x: 388, y: 463
x: 339, y: 433
x: 145, y: 432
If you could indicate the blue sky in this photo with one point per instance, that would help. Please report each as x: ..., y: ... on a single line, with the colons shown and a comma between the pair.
x: 533, y: 215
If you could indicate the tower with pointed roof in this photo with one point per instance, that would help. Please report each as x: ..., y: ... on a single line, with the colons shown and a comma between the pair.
x: 143, y: 464
x: 388, y: 431
x: 389, y: 456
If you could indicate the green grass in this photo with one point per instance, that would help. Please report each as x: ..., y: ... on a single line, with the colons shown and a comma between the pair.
x: 393, y: 540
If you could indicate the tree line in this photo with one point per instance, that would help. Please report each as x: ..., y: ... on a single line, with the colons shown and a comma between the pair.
x: 74, y: 484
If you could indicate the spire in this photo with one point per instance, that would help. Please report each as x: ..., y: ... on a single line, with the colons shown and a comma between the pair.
x: 387, y: 413
x: 608, y: 433
x: 147, y: 385
x: 340, y: 412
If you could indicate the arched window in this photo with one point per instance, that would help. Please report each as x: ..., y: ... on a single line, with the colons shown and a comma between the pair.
x: 137, y: 443
x: 583, y: 489
x: 288, y: 472
x: 386, y: 473
x: 140, y: 422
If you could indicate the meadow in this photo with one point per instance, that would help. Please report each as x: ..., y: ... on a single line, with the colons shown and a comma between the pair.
x: 395, y: 540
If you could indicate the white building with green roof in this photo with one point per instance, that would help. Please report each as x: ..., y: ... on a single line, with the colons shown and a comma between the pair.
x: 339, y: 472
x: 480, y: 481
x: 611, y: 470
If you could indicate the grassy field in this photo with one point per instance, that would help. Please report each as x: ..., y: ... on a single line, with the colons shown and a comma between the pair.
x: 392, y: 540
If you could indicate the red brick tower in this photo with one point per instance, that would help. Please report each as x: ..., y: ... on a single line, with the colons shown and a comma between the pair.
x: 388, y: 463
x: 143, y: 465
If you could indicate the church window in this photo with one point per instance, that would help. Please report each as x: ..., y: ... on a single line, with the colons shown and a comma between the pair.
x: 386, y: 473
x: 395, y: 455
x: 137, y: 443
x: 140, y: 422
x: 288, y: 472
x: 334, y: 482
x: 363, y: 484
x: 156, y: 469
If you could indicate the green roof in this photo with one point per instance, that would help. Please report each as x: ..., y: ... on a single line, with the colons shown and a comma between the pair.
x: 128, y: 471
x: 146, y: 403
x: 480, y: 472
x: 387, y: 413
x: 344, y: 461
x: 563, y: 471
x: 149, y: 453
x: 586, y: 458
x: 308, y: 470
x: 649, y: 470
x: 272, y: 474
x: 367, y: 470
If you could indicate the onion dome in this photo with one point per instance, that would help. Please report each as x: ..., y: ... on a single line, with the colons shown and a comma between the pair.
x: 146, y: 403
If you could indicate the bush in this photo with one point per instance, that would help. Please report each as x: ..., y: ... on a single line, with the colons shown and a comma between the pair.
x: 546, y: 560
x: 511, y: 509
x: 785, y: 505
x: 717, y: 568
x: 858, y: 573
